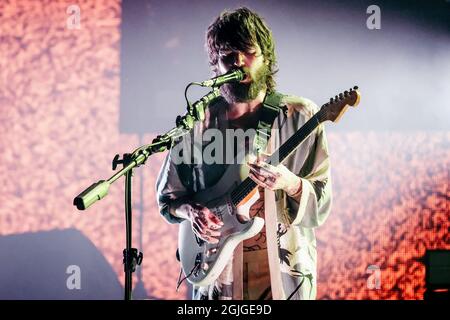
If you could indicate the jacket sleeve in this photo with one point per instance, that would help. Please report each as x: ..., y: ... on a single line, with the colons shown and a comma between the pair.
x: 311, y: 208
x: 169, y: 188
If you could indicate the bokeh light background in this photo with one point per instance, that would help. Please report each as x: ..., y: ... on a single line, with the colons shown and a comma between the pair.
x: 64, y: 95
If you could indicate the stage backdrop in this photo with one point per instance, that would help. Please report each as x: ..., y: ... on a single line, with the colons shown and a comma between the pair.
x: 62, y: 122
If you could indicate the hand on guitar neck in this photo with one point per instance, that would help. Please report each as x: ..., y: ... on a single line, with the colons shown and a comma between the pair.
x: 274, y: 177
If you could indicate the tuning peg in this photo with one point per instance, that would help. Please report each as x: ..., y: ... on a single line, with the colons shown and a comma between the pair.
x: 345, y: 93
x: 331, y: 100
x: 355, y: 87
x: 351, y: 89
x: 336, y: 98
x: 341, y: 96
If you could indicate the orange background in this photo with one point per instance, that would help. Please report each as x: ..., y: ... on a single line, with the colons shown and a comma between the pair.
x: 59, y: 120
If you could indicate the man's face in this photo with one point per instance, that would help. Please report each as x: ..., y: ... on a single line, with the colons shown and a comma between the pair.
x: 255, y: 67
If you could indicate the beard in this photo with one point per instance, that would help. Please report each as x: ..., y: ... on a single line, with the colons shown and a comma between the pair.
x: 235, y: 92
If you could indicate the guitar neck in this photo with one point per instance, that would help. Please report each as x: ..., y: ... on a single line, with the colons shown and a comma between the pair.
x: 247, y: 186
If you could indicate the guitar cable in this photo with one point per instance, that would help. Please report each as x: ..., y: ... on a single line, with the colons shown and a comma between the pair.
x: 179, y: 282
x: 309, y: 276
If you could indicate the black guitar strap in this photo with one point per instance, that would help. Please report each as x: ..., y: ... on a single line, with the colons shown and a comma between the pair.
x: 271, y: 109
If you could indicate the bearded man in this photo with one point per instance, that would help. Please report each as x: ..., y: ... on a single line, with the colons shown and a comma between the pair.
x: 295, y: 196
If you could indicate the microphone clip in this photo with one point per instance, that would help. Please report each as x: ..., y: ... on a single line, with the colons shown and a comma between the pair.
x: 235, y: 75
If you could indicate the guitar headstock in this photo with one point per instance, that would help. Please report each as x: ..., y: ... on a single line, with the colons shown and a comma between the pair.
x: 335, y: 108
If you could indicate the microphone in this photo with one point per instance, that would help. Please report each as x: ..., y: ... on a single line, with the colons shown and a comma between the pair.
x: 231, y: 76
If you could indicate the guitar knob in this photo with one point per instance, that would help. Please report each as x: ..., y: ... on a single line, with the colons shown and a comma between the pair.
x: 211, y: 252
x: 205, y: 266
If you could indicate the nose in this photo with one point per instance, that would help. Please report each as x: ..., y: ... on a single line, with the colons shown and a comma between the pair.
x: 239, y: 59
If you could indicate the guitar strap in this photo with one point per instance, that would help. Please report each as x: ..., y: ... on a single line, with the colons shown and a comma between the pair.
x: 270, y: 110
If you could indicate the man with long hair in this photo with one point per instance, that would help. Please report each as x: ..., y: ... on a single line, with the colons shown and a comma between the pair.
x: 295, y: 196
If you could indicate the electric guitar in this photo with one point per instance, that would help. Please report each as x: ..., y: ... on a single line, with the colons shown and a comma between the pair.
x: 202, y: 262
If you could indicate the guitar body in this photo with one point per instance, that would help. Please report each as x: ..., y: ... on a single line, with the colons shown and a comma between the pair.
x: 203, y: 262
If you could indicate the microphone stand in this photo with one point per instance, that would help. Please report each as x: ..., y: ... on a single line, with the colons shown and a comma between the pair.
x: 97, y: 191
x: 139, y: 291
